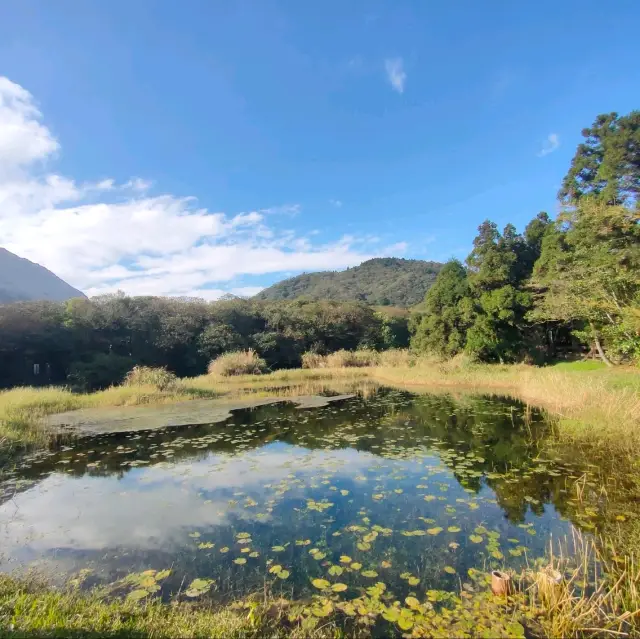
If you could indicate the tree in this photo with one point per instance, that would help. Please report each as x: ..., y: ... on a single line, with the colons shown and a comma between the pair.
x: 606, y: 167
x: 496, y: 272
x: 588, y: 273
x: 441, y: 326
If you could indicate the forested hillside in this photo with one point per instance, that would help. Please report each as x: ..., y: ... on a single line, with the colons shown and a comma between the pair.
x: 563, y: 285
x: 381, y: 281
x: 21, y: 279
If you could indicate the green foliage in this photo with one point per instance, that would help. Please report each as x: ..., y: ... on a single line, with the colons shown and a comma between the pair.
x: 93, y: 343
x: 606, y: 166
x: 99, y: 371
x: 387, y: 281
x: 394, y: 330
x: 588, y: 274
x: 559, y: 285
x: 441, y: 325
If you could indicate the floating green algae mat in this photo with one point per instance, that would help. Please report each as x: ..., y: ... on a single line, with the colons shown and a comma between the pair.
x: 417, y: 493
x: 122, y: 419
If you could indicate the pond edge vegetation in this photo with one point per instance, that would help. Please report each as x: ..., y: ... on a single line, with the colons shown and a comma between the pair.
x: 578, y: 593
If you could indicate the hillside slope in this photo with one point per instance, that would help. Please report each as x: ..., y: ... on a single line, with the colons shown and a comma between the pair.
x: 381, y: 281
x: 22, y: 280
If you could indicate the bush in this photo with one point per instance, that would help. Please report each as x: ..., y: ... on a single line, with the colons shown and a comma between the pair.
x: 238, y: 363
x: 98, y: 371
x: 160, y: 378
x: 312, y: 359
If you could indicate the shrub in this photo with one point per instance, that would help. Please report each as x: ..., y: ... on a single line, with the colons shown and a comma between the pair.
x: 238, y: 363
x: 160, y: 378
x: 314, y: 360
x: 98, y: 371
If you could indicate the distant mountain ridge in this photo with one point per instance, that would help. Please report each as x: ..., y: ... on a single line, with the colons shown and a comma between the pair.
x: 383, y: 281
x: 22, y: 280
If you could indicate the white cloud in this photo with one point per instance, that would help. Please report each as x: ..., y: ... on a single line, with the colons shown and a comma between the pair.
x: 396, y: 75
x: 399, y: 248
x: 336, y: 203
x: 103, y: 236
x: 549, y: 145
x: 59, y: 512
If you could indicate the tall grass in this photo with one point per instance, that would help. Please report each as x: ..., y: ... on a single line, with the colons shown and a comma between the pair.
x: 159, y: 378
x: 342, y: 359
x: 599, y: 407
x: 238, y: 363
x: 597, y: 593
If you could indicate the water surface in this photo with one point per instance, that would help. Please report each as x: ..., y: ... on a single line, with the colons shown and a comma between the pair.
x: 409, y: 490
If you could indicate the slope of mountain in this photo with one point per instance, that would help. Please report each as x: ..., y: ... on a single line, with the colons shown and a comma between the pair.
x: 22, y: 280
x: 381, y: 281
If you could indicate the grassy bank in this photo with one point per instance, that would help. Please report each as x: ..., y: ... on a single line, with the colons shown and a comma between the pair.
x: 580, y: 594
x: 592, y: 404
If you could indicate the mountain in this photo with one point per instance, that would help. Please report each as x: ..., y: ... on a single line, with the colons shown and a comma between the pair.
x: 381, y: 281
x: 22, y: 280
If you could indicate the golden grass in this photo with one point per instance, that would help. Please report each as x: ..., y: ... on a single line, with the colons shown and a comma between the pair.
x: 598, y: 407
x: 601, y: 407
x: 237, y: 363
x: 597, y: 593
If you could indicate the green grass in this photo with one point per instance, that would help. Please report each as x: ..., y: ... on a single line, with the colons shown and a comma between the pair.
x: 30, y: 608
x: 585, y: 365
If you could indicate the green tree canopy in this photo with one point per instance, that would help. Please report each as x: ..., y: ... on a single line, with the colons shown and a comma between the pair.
x: 606, y: 166
x: 440, y: 327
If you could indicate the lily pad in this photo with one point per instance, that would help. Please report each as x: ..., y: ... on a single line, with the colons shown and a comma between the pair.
x: 321, y: 584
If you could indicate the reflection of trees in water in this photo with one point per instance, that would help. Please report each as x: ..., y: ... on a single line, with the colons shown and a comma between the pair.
x: 504, y: 441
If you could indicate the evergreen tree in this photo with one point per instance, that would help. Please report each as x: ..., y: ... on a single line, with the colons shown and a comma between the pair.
x: 496, y: 272
x: 441, y: 326
x: 606, y: 167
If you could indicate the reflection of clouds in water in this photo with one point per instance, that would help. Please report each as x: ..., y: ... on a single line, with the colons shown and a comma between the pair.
x: 154, y: 507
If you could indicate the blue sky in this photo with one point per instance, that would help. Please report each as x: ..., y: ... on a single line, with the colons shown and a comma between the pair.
x: 307, y: 135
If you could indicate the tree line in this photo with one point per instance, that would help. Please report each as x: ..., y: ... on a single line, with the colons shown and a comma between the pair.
x: 93, y: 343
x: 562, y: 285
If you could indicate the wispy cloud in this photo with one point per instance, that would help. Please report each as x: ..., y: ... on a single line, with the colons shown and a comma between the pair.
x: 104, y: 236
x: 396, y: 75
x: 549, y: 145
x: 336, y: 203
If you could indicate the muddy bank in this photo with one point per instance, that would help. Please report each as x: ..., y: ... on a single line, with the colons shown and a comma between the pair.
x: 120, y: 419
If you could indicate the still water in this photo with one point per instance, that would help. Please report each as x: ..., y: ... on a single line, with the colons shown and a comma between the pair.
x: 409, y: 490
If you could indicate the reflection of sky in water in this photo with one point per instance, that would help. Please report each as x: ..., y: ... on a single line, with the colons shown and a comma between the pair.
x: 384, y: 468
x: 152, y: 507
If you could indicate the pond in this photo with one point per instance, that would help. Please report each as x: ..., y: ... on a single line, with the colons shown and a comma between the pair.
x: 409, y: 490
